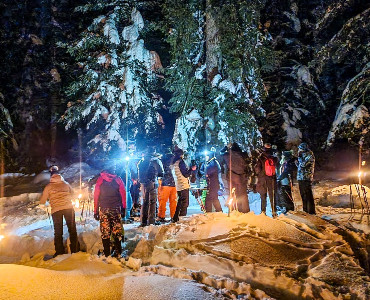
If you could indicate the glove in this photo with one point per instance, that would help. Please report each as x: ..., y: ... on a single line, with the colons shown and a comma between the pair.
x: 96, y: 216
x: 123, y: 213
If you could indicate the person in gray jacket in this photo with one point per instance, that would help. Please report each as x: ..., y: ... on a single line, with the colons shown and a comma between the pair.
x: 59, y: 194
x: 306, y: 167
x: 181, y: 175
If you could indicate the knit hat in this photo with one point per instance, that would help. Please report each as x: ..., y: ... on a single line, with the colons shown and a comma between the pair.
x: 303, y: 146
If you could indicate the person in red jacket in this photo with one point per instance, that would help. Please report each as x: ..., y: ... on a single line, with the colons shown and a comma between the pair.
x: 109, y: 208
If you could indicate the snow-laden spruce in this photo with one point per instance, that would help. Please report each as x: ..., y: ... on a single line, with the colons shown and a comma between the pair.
x: 111, y: 98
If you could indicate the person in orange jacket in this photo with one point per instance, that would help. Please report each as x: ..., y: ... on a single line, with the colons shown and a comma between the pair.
x: 109, y: 208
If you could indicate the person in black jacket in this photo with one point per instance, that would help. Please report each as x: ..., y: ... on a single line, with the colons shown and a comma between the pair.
x: 237, y: 174
x: 167, y: 188
x: 213, y: 171
x: 149, y: 169
x: 284, y: 180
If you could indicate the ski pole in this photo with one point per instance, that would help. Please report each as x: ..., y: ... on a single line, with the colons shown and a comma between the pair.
x: 291, y: 186
x: 365, y: 199
x: 359, y: 196
x: 351, y: 203
x: 47, y: 210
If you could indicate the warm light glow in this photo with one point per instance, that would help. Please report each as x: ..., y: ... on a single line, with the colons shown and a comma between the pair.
x: 359, y: 174
x: 363, y: 163
x: 1, y: 237
x: 230, y: 201
x: 79, y: 196
x: 77, y: 203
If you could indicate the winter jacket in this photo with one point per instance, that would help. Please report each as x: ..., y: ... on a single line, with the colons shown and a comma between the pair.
x: 259, y: 168
x: 167, y: 179
x: 149, y: 169
x: 109, y: 192
x: 286, y: 171
x: 238, y: 161
x: 306, y: 166
x: 213, y: 170
x: 181, y: 174
x: 59, y: 193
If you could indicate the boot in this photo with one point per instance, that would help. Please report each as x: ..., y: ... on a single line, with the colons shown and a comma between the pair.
x: 106, y: 246
x: 118, y: 247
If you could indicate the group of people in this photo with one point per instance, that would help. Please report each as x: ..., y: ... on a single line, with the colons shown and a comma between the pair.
x: 166, y: 178
x: 274, y: 177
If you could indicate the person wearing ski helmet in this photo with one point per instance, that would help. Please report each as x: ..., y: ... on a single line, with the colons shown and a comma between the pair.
x: 109, y: 208
x: 306, y: 167
x: 59, y: 194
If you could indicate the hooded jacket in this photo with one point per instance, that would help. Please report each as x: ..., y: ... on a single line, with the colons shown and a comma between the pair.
x: 109, y: 192
x: 306, y: 165
x: 59, y: 193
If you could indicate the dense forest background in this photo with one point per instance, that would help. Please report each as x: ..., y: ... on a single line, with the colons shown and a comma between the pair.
x: 107, y: 74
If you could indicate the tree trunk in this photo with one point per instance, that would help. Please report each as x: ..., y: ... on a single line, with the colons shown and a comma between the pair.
x: 213, y: 56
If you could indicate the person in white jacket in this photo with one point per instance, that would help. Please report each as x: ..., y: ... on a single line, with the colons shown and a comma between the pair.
x: 181, y: 174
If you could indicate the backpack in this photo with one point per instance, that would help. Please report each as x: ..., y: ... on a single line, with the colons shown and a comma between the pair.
x: 270, y: 167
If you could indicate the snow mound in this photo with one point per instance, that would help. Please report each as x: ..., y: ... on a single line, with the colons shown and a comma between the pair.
x: 340, y: 196
x: 283, y: 257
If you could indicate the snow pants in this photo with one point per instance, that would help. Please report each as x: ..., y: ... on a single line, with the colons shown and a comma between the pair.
x: 69, y: 216
x: 166, y: 193
x: 182, y: 204
x: 135, y: 195
x: 212, y: 200
x: 267, y: 184
x: 305, y: 189
x: 285, y: 197
x: 148, y: 207
x: 110, y: 222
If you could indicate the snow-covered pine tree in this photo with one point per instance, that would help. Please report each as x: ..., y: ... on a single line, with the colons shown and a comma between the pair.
x: 214, y: 77
x: 111, y: 97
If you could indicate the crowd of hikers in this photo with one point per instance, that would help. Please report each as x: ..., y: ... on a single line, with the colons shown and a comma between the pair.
x: 157, y: 179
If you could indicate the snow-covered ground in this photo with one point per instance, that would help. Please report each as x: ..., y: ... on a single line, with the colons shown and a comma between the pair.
x: 212, y: 256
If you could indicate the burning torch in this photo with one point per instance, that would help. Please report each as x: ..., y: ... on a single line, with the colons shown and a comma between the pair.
x: 231, y: 200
